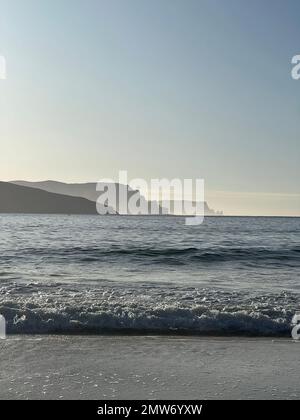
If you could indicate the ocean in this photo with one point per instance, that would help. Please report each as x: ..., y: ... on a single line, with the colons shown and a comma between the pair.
x: 149, y: 275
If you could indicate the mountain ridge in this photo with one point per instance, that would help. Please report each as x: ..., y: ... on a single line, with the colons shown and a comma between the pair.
x: 88, y: 190
x: 19, y: 199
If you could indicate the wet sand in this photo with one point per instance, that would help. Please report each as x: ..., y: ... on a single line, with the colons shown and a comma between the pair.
x: 130, y: 367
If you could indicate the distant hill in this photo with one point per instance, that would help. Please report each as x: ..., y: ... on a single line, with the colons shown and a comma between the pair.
x: 85, y: 190
x: 19, y: 199
x: 88, y: 191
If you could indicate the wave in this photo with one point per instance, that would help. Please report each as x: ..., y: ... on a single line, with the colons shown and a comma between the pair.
x: 49, y: 310
x: 161, y: 255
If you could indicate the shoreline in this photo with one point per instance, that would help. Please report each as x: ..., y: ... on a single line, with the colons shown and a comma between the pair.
x: 148, y: 367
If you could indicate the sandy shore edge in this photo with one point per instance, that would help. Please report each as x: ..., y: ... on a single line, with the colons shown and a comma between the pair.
x: 151, y: 367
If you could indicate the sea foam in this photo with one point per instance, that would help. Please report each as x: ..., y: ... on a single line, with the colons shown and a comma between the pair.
x: 61, y: 308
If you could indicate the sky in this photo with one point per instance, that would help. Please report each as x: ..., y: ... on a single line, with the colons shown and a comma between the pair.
x: 160, y: 88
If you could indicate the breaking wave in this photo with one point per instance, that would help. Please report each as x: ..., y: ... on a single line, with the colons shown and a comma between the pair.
x: 38, y: 309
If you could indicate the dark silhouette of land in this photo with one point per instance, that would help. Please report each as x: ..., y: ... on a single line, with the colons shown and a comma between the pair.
x: 89, y: 191
x: 19, y: 199
x: 85, y: 190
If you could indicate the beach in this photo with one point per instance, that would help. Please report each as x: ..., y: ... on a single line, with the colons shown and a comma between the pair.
x: 148, y: 367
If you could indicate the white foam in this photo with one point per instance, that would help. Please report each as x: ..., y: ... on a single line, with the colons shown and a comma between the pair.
x: 51, y: 308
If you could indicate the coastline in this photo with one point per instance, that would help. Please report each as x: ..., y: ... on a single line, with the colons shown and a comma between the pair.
x: 148, y: 367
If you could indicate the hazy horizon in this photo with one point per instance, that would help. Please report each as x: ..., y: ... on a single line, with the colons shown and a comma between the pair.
x: 226, y: 201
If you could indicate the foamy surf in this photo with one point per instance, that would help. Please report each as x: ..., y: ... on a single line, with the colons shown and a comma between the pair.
x: 45, y: 309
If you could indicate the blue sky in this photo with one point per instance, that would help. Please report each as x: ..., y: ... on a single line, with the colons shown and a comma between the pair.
x: 162, y: 88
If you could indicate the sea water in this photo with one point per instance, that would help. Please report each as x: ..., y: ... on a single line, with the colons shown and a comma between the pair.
x: 135, y: 274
